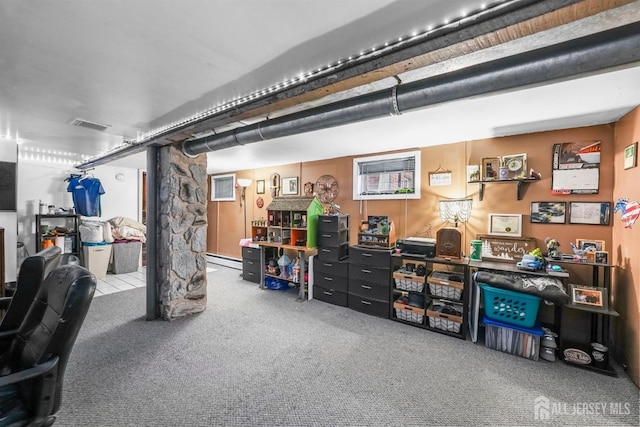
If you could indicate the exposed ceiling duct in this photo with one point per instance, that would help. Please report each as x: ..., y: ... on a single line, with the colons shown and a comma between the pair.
x: 590, y: 54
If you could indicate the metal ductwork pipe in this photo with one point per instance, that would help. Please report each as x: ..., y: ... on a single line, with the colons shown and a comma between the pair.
x: 608, y: 49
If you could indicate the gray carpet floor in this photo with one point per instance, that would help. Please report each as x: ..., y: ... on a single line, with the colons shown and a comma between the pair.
x: 259, y: 358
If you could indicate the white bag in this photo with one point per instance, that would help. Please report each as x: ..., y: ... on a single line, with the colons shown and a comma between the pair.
x: 91, y: 232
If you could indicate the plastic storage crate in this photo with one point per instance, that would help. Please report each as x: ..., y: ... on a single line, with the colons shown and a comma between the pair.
x: 126, y: 257
x: 514, y: 308
x: 523, y: 342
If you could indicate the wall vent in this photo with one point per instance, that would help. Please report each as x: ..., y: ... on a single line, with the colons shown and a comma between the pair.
x: 87, y: 124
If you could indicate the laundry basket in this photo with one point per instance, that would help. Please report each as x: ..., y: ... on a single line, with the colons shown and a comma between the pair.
x: 510, y: 307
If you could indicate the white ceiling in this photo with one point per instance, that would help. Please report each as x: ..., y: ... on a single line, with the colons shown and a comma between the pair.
x: 137, y: 65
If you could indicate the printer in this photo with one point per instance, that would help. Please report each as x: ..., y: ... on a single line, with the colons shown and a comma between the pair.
x: 417, y: 246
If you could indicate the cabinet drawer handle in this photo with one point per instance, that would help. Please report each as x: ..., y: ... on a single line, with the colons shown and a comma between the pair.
x: 249, y: 273
x: 328, y: 293
x: 326, y: 235
x: 326, y: 264
x: 326, y: 221
x: 326, y: 250
x: 367, y: 254
x: 329, y: 279
x: 366, y: 271
x: 365, y: 302
x: 250, y: 262
x: 365, y: 287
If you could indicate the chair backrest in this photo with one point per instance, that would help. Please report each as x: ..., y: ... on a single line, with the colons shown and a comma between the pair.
x: 49, y: 331
x: 33, y: 271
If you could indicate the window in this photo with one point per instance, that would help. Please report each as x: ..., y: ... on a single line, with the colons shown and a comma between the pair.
x: 391, y: 176
x: 223, y: 188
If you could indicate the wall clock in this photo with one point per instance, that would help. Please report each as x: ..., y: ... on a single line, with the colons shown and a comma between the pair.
x: 326, y: 188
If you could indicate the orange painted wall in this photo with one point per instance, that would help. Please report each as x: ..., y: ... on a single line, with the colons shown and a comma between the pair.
x: 626, y: 251
x: 413, y: 217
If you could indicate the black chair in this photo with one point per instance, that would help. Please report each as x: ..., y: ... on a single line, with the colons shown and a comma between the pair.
x: 33, y: 271
x: 32, y: 371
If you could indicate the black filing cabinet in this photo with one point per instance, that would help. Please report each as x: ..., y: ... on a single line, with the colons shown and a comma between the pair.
x: 369, y: 280
x: 251, y: 267
x: 331, y: 267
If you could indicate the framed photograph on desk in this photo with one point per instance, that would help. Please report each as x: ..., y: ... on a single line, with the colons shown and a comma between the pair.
x: 589, y: 296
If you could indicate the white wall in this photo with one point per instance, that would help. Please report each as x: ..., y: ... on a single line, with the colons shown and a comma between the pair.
x: 46, y: 181
x: 8, y: 220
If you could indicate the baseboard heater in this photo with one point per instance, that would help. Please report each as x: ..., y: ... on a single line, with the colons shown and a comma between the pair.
x: 226, y: 261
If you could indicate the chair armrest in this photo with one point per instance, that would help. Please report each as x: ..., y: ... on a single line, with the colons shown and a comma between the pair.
x: 25, y: 374
x: 4, y: 302
x: 8, y: 334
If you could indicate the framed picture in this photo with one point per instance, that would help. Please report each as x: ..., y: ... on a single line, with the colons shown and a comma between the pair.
x: 505, y: 225
x: 589, y: 296
x: 516, y: 165
x: 548, y: 212
x: 290, y: 185
x: 595, y: 213
x: 260, y: 186
x: 631, y: 156
x: 489, y: 168
x: 590, y: 244
x: 601, y: 257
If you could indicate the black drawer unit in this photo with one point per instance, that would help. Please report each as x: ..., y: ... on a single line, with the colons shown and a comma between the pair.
x: 333, y: 238
x: 336, y: 268
x: 251, y: 266
x: 331, y: 281
x: 331, y: 266
x: 333, y: 253
x: 369, y: 280
x: 331, y: 296
x: 333, y: 222
x: 369, y: 306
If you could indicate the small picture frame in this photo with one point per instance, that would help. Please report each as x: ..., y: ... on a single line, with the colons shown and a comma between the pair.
x: 590, y: 245
x: 516, y: 165
x: 601, y: 257
x: 260, y: 186
x: 594, y: 213
x: 505, y: 225
x: 548, y: 212
x: 589, y: 296
x: 631, y: 155
x: 290, y: 186
x: 490, y: 168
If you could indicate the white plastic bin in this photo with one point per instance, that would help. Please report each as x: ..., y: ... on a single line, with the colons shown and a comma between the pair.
x: 96, y: 259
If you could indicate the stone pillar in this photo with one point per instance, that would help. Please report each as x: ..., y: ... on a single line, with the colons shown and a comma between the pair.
x: 181, y: 269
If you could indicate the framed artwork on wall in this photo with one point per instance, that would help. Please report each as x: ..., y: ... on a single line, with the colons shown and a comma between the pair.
x: 489, y: 168
x: 548, y: 212
x: 260, y: 186
x: 595, y: 213
x: 631, y: 156
x: 505, y: 225
x: 290, y: 186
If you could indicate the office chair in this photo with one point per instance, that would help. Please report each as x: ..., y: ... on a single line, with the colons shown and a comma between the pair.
x: 33, y: 271
x: 32, y: 371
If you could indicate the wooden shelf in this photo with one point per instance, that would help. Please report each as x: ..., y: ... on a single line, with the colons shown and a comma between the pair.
x: 519, y: 185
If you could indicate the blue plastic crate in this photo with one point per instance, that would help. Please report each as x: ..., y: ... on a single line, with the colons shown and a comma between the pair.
x: 275, y: 283
x: 510, y: 307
